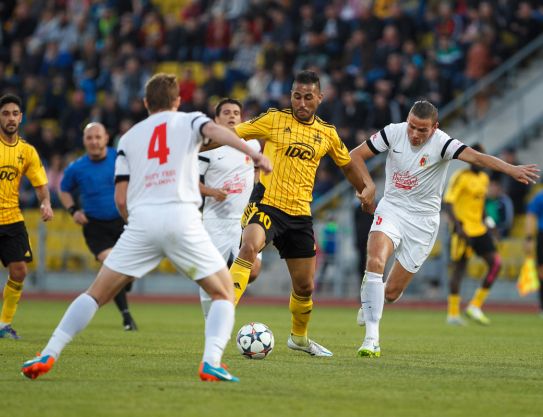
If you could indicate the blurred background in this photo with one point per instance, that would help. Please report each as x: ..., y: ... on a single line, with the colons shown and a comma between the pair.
x: 79, y: 61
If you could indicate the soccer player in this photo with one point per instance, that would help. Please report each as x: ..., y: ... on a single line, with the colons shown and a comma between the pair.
x: 279, y: 209
x: 92, y: 177
x: 17, y: 158
x: 464, y: 203
x: 156, y: 192
x: 228, y: 179
x: 534, y: 233
x: 406, y: 220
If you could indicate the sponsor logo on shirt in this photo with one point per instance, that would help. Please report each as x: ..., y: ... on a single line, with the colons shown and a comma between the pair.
x: 404, y: 180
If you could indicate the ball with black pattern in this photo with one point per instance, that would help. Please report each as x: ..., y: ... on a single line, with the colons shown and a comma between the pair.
x: 255, y: 341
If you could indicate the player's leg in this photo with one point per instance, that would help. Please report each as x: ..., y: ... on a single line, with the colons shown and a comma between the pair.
x: 219, y: 325
x: 372, y: 291
x: 458, y: 255
x: 13, y: 290
x: 15, y: 252
x: 76, y: 318
x: 485, y: 248
x: 253, y: 239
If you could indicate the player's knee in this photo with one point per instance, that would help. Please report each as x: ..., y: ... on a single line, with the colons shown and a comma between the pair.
x: 18, y: 272
x: 375, y: 264
x: 304, y: 289
x: 248, y: 251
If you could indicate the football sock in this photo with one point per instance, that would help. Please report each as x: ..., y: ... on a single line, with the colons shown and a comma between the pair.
x: 453, y: 306
x: 300, y: 308
x: 205, y: 302
x: 479, y: 297
x: 219, y: 325
x: 12, y: 294
x: 493, y: 271
x: 372, y: 297
x: 120, y: 301
x: 240, y: 271
x: 76, y: 318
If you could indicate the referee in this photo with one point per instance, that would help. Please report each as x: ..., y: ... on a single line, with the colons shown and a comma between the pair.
x: 92, y: 178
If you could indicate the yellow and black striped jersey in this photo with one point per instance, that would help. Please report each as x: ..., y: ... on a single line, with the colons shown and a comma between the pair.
x: 466, y: 194
x: 17, y: 159
x: 295, y: 149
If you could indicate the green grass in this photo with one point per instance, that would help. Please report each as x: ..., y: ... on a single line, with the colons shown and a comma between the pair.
x: 426, y: 368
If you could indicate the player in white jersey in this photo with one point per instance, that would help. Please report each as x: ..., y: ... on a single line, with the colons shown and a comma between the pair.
x: 228, y: 177
x: 406, y: 220
x: 157, y: 194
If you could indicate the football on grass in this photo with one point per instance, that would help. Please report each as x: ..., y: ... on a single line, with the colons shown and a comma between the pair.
x: 255, y: 341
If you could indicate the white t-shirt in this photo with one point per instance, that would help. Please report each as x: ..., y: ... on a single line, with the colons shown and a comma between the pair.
x: 159, y: 157
x: 228, y: 168
x: 415, y: 175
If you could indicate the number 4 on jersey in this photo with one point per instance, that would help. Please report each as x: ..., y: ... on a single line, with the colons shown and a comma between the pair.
x: 158, y: 148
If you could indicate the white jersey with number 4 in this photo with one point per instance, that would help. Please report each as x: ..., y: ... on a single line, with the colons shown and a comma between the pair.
x: 415, y: 175
x: 159, y: 158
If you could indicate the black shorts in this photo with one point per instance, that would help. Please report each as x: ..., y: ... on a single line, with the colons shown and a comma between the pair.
x: 102, y: 234
x: 14, y: 243
x: 292, y: 235
x: 539, y: 248
x: 464, y: 248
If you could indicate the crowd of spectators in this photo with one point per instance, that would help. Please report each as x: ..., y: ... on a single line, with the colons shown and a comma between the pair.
x: 77, y: 61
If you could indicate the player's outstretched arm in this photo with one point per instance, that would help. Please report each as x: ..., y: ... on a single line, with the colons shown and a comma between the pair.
x: 366, y: 194
x: 224, y: 136
x: 526, y: 174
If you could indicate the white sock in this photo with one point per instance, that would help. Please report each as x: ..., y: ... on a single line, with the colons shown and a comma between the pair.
x: 372, y: 296
x: 219, y: 325
x: 205, y: 302
x: 76, y: 318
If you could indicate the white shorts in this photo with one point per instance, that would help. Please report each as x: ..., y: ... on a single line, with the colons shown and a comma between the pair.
x: 174, y: 231
x: 226, y: 236
x: 413, y: 236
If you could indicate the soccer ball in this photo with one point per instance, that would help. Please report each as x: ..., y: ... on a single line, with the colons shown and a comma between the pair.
x: 255, y: 341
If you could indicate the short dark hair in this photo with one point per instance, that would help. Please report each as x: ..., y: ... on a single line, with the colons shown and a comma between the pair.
x: 161, y: 91
x: 224, y: 101
x: 308, y: 77
x: 11, y: 98
x: 423, y: 109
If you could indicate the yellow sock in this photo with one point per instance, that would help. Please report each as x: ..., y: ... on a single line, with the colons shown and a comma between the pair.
x: 454, y: 305
x: 300, y: 307
x: 479, y: 297
x: 12, y: 294
x: 240, y: 271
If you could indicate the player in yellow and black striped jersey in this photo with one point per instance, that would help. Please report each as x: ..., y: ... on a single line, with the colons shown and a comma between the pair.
x: 295, y: 141
x: 464, y: 202
x: 17, y: 158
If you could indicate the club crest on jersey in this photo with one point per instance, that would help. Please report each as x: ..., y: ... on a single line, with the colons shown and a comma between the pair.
x: 405, y: 180
x: 317, y: 138
x: 424, y: 160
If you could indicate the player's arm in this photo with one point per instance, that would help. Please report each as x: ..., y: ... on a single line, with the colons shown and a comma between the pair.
x: 526, y: 174
x: 359, y: 156
x: 121, y: 193
x: 225, y: 136
x: 42, y: 192
x: 218, y: 194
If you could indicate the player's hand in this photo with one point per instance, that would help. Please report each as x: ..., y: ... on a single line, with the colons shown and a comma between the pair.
x: 263, y: 163
x: 459, y: 230
x: 367, y: 198
x: 526, y: 174
x: 80, y: 217
x: 219, y: 194
x: 46, y: 212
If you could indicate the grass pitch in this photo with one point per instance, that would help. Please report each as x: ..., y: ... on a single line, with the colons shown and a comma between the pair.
x: 426, y: 368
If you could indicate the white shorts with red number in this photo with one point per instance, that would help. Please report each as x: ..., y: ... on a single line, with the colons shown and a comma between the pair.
x: 173, y: 231
x: 413, y: 236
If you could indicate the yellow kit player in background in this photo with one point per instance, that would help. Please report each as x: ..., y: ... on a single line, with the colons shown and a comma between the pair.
x: 279, y: 207
x: 17, y: 158
x: 464, y: 203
